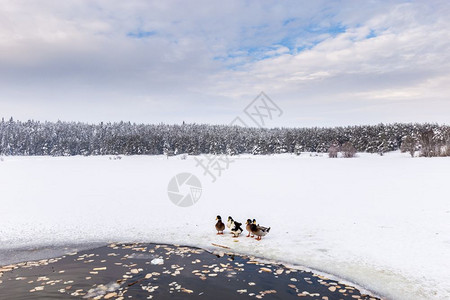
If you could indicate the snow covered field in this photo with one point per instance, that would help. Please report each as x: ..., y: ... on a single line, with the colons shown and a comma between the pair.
x: 380, y: 222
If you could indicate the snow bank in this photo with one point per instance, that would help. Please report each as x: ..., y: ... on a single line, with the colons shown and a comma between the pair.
x: 380, y: 222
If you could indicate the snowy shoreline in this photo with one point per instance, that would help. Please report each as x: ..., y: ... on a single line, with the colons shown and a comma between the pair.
x: 379, y: 222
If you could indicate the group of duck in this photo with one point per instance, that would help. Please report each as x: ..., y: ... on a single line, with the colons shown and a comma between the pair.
x: 236, y: 229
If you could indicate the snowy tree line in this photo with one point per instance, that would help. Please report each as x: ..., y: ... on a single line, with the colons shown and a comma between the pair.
x: 74, y: 138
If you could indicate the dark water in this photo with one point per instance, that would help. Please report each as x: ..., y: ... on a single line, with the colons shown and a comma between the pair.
x: 131, y: 272
x: 8, y: 256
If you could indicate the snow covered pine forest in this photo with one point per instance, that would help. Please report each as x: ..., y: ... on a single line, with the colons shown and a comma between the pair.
x: 70, y: 138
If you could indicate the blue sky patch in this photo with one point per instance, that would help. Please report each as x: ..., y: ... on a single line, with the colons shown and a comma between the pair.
x: 140, y: 34
x: 372, y: 34
x: 296, y: 39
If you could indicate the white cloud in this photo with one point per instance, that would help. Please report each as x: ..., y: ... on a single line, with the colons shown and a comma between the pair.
x: 213, y: 57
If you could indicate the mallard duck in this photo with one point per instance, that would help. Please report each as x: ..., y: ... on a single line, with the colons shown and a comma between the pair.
x: 230, y: 222
x: 220, y: 227
x: 262, y: 227
x: 247, y: 227
x: 258, y: 230
x: 236, y: 230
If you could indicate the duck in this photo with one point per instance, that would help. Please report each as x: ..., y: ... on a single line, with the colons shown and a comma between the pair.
x: 236, y: 230
x: 258, y: 230
x: 262, y: 227
x: 247, y: 227
x: 230, y: 222
x: 220, y: 226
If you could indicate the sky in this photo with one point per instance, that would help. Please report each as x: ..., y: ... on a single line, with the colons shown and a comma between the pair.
x: 323, y: 63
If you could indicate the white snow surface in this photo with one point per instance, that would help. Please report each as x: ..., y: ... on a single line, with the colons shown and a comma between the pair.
x: 382, y: 222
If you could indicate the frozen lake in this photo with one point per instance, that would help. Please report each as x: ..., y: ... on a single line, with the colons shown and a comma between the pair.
x: 380, y: 222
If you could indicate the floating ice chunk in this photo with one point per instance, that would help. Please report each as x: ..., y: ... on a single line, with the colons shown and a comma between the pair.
x: 102, y: 290
x: 157, y: 261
